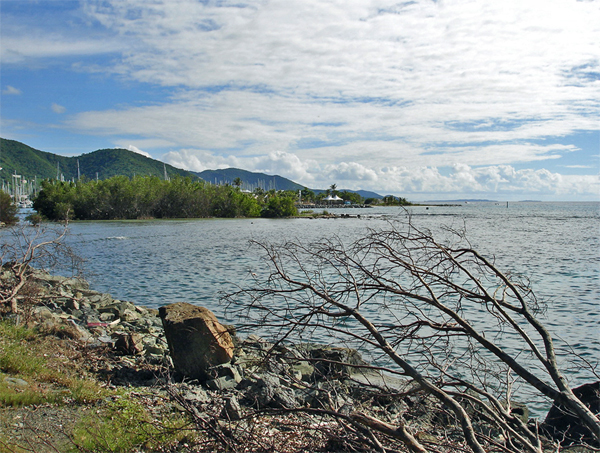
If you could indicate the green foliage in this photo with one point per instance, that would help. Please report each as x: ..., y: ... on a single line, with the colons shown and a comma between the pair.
x: 35, y: 219
x: 141, y: 197
x: 125, y: 425
x: 391, y: 200
x: 352, y: 197
x: 8, y: 210
x: 279, y: 205
x: 308, y: 196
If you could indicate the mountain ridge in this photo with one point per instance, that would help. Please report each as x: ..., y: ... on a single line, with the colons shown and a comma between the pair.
x: 19, y: 158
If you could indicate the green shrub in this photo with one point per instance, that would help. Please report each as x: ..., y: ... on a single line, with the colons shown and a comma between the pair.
x: 8, y: 210
x: 279, y: 206
x: 35, y: 219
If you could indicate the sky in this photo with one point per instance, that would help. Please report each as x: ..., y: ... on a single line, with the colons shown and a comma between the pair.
x: 423, y: 99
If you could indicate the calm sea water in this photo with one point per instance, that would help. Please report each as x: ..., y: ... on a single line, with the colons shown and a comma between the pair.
x: 556, y: 245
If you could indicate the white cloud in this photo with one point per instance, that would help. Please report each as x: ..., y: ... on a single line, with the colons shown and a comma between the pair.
x: 23, y: 48
x: 198, y: 160
x: 418, y: 96
x: 350, y: 171
x: 414, y: 182
x: 10, y: 91
x: 56, y: 108
x: 137, y: 150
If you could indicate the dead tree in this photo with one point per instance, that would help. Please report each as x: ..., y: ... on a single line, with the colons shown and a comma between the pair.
x: 440, y: 314
x: 25, y: 248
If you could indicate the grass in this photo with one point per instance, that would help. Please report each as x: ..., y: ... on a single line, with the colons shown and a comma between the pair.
x: 40, y: 369
x: 126, y: 425
x: 44, y: 369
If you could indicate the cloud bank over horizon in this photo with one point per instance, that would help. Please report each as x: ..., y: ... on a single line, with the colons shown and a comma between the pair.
x: 425, y: 99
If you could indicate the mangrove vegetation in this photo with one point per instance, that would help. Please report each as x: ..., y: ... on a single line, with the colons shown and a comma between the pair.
x: 145, y: 197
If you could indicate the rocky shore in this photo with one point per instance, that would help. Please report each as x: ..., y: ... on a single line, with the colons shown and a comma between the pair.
x: 236, y: 394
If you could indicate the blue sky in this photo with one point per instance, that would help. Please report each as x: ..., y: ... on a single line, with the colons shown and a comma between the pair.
x: 423, y: 99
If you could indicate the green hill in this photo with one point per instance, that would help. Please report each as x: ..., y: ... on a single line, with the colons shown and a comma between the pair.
x: 104, y: 163
x: 16, y: 157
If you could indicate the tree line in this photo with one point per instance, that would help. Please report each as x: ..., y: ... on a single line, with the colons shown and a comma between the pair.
x: 121, y: 197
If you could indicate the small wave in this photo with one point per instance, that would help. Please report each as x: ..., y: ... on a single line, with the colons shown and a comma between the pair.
x: 117, y: 238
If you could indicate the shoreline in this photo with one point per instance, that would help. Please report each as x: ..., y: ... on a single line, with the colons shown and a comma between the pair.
x: 125, y: 352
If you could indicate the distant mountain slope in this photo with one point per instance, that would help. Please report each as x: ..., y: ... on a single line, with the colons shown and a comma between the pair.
x: 29, y: 162
x: 368, y: 194
x: 250, y: 180
x: 105, y: 163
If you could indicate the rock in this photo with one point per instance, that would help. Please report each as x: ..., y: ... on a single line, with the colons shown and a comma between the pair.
x: 44, y: 313
x: 15, y: 382
x: 129, y: 315
x: 197, y: 341
x: 224, y: 376
x: 564, y: 426
x: 267, y: 391
x: 107, y: 317
x: 196, y: 395
x: 222, y: 383
x: 302, y: 371
x: 335, y: 362
x: 232, y: 409
x: 128, y: 343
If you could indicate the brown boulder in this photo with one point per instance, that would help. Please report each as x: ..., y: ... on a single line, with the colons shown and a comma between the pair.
x: 197, y: 341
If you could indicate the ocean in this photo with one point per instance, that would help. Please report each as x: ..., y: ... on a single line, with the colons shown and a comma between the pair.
x: 555, y: 245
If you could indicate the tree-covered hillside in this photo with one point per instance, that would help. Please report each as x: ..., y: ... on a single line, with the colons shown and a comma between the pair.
x: 16, y: 157
x: 104, y: 163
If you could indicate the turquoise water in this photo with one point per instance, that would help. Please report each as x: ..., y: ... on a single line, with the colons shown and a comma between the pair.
x: 556, y: 245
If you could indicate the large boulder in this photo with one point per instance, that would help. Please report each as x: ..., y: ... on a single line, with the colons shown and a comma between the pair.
x: 334, y: 362
x: 197, y: 341
x: 565, y: 426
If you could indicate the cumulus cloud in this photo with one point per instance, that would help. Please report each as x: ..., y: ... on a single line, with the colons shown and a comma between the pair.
x: 502, y: 181
x: 198, y: 160
x: 138, y: 151
x: 350, y: 171
x: 284, y: 164
x: 11, y: 91
x: 413, y: 97
x: 414, y: 182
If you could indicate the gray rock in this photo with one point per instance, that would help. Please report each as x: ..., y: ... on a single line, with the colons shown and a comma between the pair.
x: 15, y: 382
x: 107, y: 317
x: 232, y: 409
x: 267, y: 391
x: 226, y: 370
x: 196, y: 395
x: 335, y: 362
x: 221, y: 383
x: 44, y: 313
